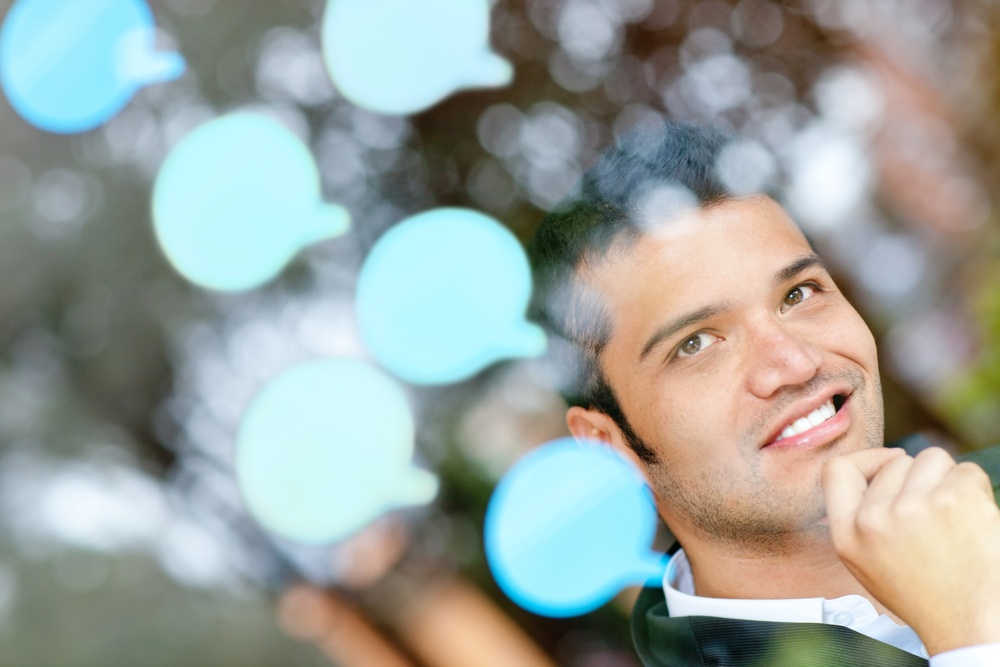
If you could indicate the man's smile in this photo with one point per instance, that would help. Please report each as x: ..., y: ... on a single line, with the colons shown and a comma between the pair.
x: 814, y: 427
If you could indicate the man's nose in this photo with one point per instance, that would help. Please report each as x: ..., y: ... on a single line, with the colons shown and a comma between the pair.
x: 779, y: 357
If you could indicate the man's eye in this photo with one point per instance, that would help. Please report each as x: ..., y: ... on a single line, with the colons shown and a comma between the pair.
x: 799, y: 294
x: 695, y: 344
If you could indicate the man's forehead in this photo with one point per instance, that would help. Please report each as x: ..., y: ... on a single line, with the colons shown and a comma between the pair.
x: 696, y: 239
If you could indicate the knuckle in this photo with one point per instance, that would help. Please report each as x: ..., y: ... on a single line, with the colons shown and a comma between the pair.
x: 973, y: 471
x: 946, y: 499
x: 934, y: 453
x: 934, y: 458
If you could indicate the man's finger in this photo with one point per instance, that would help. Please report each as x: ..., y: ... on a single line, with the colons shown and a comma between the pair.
x: 887, y: 483
x: 845, y: 480
x: 930, y: 468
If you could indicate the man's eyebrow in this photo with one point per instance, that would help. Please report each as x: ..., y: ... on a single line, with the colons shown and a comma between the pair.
x: 797, y: 267
x: 676, y: 324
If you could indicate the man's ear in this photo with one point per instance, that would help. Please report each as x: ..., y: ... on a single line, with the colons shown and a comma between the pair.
x: 590, y: 424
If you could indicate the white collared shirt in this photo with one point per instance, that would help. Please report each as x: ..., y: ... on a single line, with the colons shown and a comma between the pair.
x: 851, y: 611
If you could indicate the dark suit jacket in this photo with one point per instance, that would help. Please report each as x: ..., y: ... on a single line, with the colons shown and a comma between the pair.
x: 662, y: 641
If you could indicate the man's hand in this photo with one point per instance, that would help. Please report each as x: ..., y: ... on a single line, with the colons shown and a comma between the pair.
x: 923, y: 536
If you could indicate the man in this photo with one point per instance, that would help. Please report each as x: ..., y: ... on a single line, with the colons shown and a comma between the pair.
x: 714, y: 349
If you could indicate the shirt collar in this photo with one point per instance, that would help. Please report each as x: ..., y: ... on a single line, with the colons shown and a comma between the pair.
x: 678, y: 587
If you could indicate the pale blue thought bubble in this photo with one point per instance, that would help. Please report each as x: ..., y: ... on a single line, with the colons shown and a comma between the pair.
x: 70, y: 65
x: 403, y: 56
x: 325, y: 448
x: 443, y: 294
x: 568, y: 526
x: 236, y: 199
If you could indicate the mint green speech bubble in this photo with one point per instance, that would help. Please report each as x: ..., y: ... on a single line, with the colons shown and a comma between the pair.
x: 403, y: 56
x: 568, y: 526
x: 236, y: 199
x: 443, y: 294
x: 325, y: 448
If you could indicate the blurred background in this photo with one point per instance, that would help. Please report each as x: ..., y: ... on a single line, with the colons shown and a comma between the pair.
x: 123, y: 539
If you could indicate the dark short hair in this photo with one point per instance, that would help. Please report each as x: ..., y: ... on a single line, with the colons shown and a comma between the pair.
x: 603, y: 214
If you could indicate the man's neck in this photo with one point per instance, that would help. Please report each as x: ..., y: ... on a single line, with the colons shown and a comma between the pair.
x: 806, y: 571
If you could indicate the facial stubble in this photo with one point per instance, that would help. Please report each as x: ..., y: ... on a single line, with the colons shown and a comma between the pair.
x: 772, y: 517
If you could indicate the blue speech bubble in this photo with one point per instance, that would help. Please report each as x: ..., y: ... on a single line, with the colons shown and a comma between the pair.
x: 236, y: 199
x: 443, y: 294
x: 403, y: 56
x: 568, y: 526
x: 325, y: 448
x: 70, y: 65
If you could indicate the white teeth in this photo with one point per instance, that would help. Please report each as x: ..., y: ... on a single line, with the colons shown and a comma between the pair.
x: 802, y: 424
x: 814, y: 418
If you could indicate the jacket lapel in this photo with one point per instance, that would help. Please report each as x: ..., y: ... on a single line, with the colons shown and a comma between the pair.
x: 704, y: 641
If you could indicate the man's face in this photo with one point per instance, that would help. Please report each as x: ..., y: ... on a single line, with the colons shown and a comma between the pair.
x: 727, y: 333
